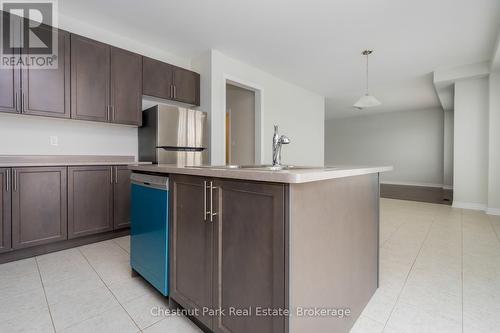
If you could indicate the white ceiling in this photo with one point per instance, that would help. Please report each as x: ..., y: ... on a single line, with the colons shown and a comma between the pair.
x: 317, y: 43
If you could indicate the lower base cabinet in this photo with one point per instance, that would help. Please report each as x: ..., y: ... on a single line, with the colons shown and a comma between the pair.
x: 234, y: 260
x: 5, y: 207
x: 121, y: 197
x: 90, y: 200
x: 38, y: 206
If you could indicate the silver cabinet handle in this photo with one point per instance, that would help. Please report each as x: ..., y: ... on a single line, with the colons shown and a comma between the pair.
x: 22, y: 102
x: 16, y: 101
x: 112, y: 112
x: 111, y: 175
x: 14, y: 179
x: 116, y: 175
x: 175, y: 92
x: 7, y: 180
x: 212, y: 213
x: 107, y: 112
x: 205, y: 200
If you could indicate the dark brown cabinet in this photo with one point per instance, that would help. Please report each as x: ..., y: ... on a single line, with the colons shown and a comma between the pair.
x: 5, y: 206
x: 236, y: 260
x: 10, y: 90
x: 250, y: 238
x: 186, y: 87
x: 157, y: 78
x: 90, y: 77
x: 39, y: 199
x: 90, y: 200
x: 121, y: 197
x: 192, y: 246
x: 10, y: 86
x: 46, y: 92
x: 166, y: 81
x: 126, y: 86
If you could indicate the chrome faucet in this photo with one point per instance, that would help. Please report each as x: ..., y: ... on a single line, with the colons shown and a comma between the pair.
x: 278, y: 141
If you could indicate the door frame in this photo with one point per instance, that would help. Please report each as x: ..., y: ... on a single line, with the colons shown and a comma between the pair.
x: 258, y: 112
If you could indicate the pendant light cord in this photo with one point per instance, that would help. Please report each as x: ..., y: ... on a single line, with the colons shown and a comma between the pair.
x: 367, y: 73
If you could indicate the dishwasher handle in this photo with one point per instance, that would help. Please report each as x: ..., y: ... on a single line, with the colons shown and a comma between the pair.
x: 153, y: 181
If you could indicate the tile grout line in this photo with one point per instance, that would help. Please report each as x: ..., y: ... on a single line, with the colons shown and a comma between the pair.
x: 45, y: 294
x: 410, y: 270
x: 107, y: 287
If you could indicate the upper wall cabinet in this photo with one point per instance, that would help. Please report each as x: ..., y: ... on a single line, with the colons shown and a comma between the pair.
x: 157, y: 78
x: 42, y: 92
x: 126, y: 86
x: 163, y: 80
x: 90, y: 71
x: 106, y: 82
x: 46, y: 92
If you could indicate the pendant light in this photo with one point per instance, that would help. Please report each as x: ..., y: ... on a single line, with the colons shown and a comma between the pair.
x: 367, y: 100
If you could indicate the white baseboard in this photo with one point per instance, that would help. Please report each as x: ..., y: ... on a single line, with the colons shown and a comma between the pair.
x: 493, y: 211
x: 469, y: 205
x: 446, y: 187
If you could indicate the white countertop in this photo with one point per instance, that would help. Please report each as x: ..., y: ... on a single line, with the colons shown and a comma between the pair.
x: 294, y: 176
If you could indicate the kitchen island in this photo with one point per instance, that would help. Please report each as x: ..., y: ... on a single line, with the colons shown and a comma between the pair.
x: 259, y: 250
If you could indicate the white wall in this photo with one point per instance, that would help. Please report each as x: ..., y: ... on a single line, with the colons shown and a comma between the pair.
x: 494, y: 144
x: 448, y: 149
x: 411, y: 141
x: 470, y: 179
x: 299, y: 113
x: 29, y: 135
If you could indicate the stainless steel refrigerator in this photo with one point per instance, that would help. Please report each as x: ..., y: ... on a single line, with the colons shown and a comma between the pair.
x: 173, y: 135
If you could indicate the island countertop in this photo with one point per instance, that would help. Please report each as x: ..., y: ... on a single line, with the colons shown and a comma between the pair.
x: 297, y: 175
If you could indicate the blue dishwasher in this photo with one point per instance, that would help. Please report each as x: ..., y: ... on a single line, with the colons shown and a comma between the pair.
x: 149, y: 229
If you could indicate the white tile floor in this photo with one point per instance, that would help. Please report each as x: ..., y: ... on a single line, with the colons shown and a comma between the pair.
x: 439, y: 272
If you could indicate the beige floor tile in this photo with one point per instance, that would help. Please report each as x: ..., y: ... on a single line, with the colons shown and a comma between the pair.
x: 140, y: 309
x: 124, y: 243
x: 19, y: 277
x: 60, y: 291
x: 128, y: 289
x: 36, y: 321
x: 174, y: 324
x: 113, y: 271
x: 107, y: 251
x: 367, y: 325
x: 78, y: 307
x: 416, y: 319
x: 59, y: 266
x: 113, y: 320
x: 22, y: 303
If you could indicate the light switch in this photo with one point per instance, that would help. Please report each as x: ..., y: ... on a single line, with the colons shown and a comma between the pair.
x: 54, y: 141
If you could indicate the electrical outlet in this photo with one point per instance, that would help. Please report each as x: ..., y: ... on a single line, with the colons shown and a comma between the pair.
x: 54, y: 141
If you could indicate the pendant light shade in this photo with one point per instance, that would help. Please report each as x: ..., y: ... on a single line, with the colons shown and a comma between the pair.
x: 367, y: 100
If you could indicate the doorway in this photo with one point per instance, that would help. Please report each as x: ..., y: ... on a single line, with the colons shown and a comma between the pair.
x: 240, y: 125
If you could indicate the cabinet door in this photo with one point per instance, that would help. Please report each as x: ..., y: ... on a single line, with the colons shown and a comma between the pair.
x: 157, y: 78
x: 126, y: 86
x: 10, y: 85
x: 250, y: 262
x: 191, y: 257
x: 5, y: 217
x: 186, y: 86
x: 90, y: 72
x: 121, y: 197
x: 46, y: 92
x: 39, y: 198
x: 90, y: 200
